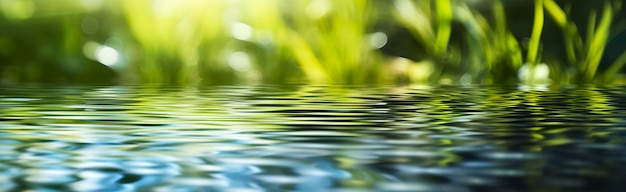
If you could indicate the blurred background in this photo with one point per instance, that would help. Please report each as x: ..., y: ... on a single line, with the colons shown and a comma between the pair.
x: 312, y: 41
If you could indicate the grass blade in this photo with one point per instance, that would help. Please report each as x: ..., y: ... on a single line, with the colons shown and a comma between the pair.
x: 591, y: 26
x: 556, y: 12
x: 533, y: 49
x: 307, y: 59
x: 569, y: 28
x: 615, y: 68
x: 414, y: 17
x: 444, y: 28
x: 500, y: 19
x: 599, y: 40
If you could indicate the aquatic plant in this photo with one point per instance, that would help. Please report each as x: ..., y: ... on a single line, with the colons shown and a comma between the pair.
x: 331, y: 42
x: 253, y: 40
x: 318, y: 41
x: 493, y: 54
x: 488, y: 52
x: 584, y: 53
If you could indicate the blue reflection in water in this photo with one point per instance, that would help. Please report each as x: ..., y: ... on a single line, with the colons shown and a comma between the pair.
x: 312, y: 138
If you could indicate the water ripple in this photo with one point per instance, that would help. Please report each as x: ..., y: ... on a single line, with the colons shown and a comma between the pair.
x: 312, y: 138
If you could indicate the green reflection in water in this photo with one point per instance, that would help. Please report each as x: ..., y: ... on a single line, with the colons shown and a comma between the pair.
x: 306, y: 137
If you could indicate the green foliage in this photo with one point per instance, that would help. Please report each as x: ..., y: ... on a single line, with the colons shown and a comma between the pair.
x: 489, y: 53
x: 585, y: 54
x: 329, y: 44
x: 533, y: 50
x: 283, y: 41
x: 332, y: 45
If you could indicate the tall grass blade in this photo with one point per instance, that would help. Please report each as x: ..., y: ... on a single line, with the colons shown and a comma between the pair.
x: 310, y: 64
x: 533, y: 47
x: 599, y: 40
x: 556, y: 12
x: 500, y: 18
x: 444, y: 28
x: 591, y: 27
x: 511, y: 45
x: 417, y: 22
x: 517, y: 58
x: 569, y: 28
x: 570, y: 47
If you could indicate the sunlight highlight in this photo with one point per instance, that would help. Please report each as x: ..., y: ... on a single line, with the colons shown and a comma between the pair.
x: 107, y: 55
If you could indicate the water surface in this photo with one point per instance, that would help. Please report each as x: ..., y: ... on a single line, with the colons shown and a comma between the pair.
x: 312, y: 138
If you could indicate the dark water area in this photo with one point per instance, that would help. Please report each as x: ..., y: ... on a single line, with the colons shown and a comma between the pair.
x: 312, y: 138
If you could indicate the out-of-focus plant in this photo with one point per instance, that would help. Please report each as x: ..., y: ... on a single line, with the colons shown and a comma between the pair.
x: 493, y: 55
x: 488, y: 53
x: 221, y: 41
x: 269, y: 44
x: 585, y: 54
x: 331, y: 43
x: 433, y: 34
x: 276, y: 41
x: 535, y: 72
x: 42, y: 42
x: 179, y: 41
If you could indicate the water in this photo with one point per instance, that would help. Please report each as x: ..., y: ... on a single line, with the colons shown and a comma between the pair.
x: 312, y: 138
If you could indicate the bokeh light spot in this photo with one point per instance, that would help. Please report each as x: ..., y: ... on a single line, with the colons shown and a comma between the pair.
x: 107, y: 55
x: 90, y: 49
x: 164, y: 8
x: 239, y: 61
x: 378, y: 40
x: 318, y: 8
x: 540, y: 74
x: 241, y: 31
x: 92, y: 5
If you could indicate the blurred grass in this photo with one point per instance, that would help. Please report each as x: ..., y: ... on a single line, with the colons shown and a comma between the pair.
x: 491, y: 54
x: 255, y: 42
x: 285, y: 41
x: 584, y: 56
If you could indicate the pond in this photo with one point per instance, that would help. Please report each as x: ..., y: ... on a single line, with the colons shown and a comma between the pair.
x: 312, y: 138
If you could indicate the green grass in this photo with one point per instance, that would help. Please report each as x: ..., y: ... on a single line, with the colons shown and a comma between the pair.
x: 494, y: 51
x: 319, y: 41
x: 535, y: 39
x: 487, y: 54
x: 584, y: 54
x: 334, y: 47
x: 326, y: 42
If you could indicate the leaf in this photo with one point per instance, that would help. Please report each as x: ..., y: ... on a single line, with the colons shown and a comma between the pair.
x: 533, y: 49
x: 556, y: 12
x: 415, y: 19
x: 444, y: 26
x: 591, y: 26
x: 600, y: 38
x: 307, y: 59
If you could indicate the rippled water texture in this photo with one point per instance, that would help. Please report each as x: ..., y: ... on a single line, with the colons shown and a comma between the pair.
x: 312, y: 138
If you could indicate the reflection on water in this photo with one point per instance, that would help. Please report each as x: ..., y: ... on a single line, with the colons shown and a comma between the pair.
x: 312, y: 138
